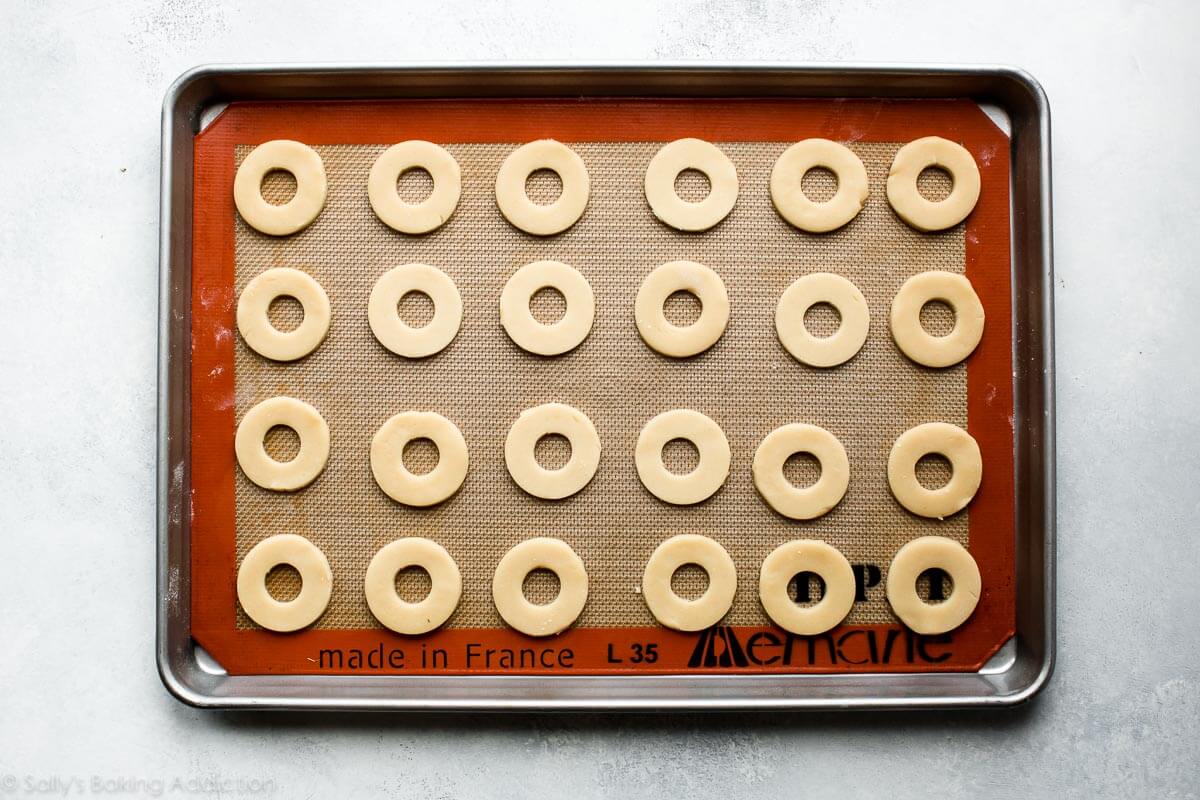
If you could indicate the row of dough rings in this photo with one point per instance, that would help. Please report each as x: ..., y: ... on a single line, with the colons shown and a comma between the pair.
x: 787, y: 194
x: 910, y: 336
x: 851, y: 195
x: 387, y: 462
x: 660, y: 334
x: 803, y: 556
x: 400, y: 615
x: 518, y: 321
x: 809, y: 502
x: 777, y: 571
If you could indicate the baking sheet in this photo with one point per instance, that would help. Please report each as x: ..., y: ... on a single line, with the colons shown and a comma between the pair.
x: 636, y: 126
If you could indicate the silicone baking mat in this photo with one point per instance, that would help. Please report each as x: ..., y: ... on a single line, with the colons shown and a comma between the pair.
x: 482, y: 381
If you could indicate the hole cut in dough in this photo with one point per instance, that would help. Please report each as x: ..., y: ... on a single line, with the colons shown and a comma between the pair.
x: 509, y: 580
x: 392, y: 332
x: 906, y: 199
x: 397, y: 614
x: 793, y: 558
x: 910, y: 335
x: 676, y: 157
x: 673, y: 340
x: 966, y: 464
x: 677, y: 612
x: 697, y: 485
x: 527, y: 215
x: 316, y: 583
x: 812, y: 290
x: 432, y: 212
x: 544, y: 420
x: 536, y: 337
x: 257, y: 464
x: 387, y: 458
x: 792, y: 501
x: 254, y: 322
x: 794, y: 205
x: 305, y: 166
x: 925, y: 553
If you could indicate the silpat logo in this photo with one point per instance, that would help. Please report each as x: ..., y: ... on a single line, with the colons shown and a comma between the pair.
x: 718, y: 647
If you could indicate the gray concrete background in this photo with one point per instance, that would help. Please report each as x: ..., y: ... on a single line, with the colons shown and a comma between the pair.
x: 80, y: 87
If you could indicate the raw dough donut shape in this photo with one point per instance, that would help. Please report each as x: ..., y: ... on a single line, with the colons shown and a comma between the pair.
x: 699, y: 484
x: 392, y: 332
x: 523, y: 436
x: 828, y: 351
x: 806, y: 555
x: 432, y: 212
x: 316, y: 583
x: 697, y: 154
x: 282, y: 476
x: 681, y: 276
x: 677, y: 612
x: 255, y: 326
x: 788, y: 195
x: 533, y: 336
x: 397, y: 614
x: 281, y: 154
x: 527, y: 215
x: 508, y: 582
x: 792, y: 501
x: 941, y: 438
x: 387, y: 458
x: 914, y: 341
x: 907, y: 201
x: 925, y: 553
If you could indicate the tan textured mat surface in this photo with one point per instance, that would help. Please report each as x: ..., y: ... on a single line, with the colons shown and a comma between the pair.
x: 747, y: 382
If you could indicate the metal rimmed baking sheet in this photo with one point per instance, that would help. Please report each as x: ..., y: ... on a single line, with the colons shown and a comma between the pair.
x: 1010, y: 91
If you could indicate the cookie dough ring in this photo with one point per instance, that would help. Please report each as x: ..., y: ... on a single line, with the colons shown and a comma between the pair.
x: 392, y: 332
x: 305, y: 166
x: 933, y: 552
x: 431, y: 212
x: 680, y: 613
x: 529, y: 216
x: 282, y: 476
x: 316, y: 583
x: 681, y: 276
x: 808, y: 291
x: 397, y: 614
x: 697, y: 154
x: 255, y: 326
x: 907, y: 201
x: 792, y: 501
x: 788, y: 195
x: 387, y: 458
x: 533, y: 336
x: 914, y: 341
x: 509, y: 596
x: 523, y: 436
x: 699, y: 484
x: 942, y: 438
x: 806, y: 555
